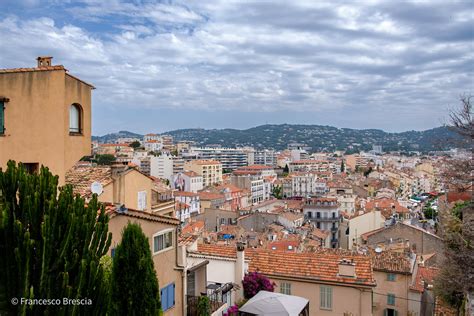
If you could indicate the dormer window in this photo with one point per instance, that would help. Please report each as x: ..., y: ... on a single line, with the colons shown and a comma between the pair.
x: 75, y: 119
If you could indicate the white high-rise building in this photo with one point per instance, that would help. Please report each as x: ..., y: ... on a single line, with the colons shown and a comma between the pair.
x: 162, y: 166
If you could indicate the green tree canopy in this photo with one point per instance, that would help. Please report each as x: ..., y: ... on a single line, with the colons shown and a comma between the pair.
x: 134, y: 286
x: 105, y: 159
x: 136, y: 144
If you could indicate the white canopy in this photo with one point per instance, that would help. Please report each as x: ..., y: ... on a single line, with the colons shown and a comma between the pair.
x: 274, y: 304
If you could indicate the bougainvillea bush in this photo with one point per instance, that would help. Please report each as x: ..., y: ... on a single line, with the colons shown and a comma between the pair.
x: 232, y: 311
x: 255, y: 282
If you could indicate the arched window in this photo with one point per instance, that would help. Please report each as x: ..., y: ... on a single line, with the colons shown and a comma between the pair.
x: 75, y: 119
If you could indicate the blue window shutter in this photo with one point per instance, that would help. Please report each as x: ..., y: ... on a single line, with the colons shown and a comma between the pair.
x: 170, y: 290
x: 164, y: 299
x: 167, y: 294
x: 112, y: 252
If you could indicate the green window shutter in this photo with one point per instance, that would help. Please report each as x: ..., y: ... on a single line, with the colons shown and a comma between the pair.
x: 2, y: 118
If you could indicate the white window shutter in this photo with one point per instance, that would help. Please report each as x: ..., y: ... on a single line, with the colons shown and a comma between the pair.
x: 141, y: 200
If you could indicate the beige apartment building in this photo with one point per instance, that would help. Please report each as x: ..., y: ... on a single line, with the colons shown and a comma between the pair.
x: 45, y: 117
x: 162, y: 233
x: 394, y: 276
x: 120, y: 185
x: 210, y: 170
x: 335, y: 282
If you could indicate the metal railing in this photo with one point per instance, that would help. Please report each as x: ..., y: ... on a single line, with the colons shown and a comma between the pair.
x: 192, y: 303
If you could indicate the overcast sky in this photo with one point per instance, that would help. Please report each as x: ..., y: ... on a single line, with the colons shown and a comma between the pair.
x: 158, y: 66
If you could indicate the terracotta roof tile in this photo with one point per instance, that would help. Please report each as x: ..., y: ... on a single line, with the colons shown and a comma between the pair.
x: 34, y: 69
x: 423, y: 275
x: 390, y: 261
x: 317, y: 266
x: 193, y: 227
x: 206, y: 196
x: 112, y: 211
x: 81, y: 177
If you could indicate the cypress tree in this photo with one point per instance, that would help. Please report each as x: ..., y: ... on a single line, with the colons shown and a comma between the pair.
x: 134, y: 286
x: 51, y: 244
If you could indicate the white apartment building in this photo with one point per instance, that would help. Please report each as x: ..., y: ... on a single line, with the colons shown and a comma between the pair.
x: 298, y: 154
x: 230, y: 158
x: 306, y: 165
x: 151, y: 136
x: 266, y: 157
x: 324, y: 213
x: 187, y: 205
x: 187, y: 181
x: 153, y: 145
x: 305, y: 184
x: 259, y: 190
x: 347, y: 202
x: 162, y: 166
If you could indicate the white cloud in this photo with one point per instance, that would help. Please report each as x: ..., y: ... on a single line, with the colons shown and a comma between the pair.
x: 308, y: 56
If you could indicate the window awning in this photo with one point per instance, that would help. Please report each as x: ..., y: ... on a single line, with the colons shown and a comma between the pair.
x: 199, y: 265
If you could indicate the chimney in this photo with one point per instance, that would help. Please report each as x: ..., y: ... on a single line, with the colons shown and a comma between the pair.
x: 44, y: 61
x: 117, y: 169
x: 347, y: 268
x: 240, y: 269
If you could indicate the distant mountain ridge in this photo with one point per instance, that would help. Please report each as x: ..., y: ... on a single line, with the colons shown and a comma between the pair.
x: 318, y: 137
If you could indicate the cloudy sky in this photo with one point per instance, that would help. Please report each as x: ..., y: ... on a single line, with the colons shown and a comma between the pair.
x: 158, y: 66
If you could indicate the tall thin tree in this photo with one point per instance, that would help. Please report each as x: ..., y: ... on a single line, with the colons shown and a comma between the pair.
x: 134, y: 284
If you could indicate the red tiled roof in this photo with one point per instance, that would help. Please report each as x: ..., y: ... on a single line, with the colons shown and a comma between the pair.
x: 424, y: 274
x: 318, y: 266
x: 284, y: 245
x: 320, y: 234
x: 217, y: 250
x: 193, y: 227
x: 191, y: 174
x: 386, y: 205
x: 232, y: 188
x: 390, y: 261
x: 81, y: 178
x: 181, y: 205
x: 206, y: 196
x: 112, y: 211
x: 184, y: 193
x: 43, y: 68
x: 34, y: 69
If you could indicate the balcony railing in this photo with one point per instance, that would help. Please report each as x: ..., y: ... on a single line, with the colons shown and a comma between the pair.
x: 323, y: 219
x: 192, y: 302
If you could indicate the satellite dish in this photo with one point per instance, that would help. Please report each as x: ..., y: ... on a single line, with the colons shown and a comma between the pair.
x: 97, y: 188
x: 378, y: 250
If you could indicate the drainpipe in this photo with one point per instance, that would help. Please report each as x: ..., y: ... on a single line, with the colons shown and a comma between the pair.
x: 182, y: 268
